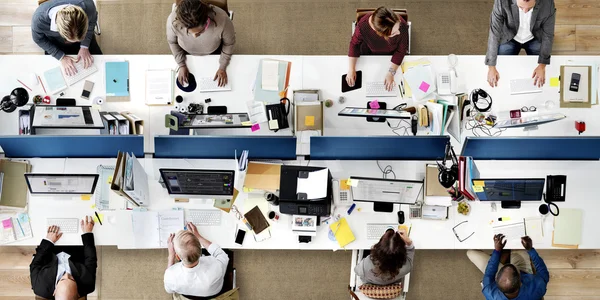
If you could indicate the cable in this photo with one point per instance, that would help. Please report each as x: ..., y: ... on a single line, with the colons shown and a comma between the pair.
x: 387, y: 170
x: 407, y: 128
x: 481, y: 129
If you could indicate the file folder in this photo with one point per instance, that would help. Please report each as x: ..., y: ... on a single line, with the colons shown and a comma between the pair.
x: 117, y: 81
x: 123, y: 123
x: 136, y: 124
x: 110, y: 123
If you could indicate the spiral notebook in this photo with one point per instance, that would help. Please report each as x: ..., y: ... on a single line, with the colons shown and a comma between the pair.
x: 151, y: 229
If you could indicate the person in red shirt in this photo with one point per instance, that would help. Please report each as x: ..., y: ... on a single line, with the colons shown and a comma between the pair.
x: 382, y: 32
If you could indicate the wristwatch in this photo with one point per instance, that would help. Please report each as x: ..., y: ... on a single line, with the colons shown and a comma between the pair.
x: 392, y: 71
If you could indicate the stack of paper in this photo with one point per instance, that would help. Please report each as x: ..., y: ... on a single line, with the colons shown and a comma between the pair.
x: 418, y: 79
x: 272, y: 80
x: 567, y: 228
x: 15, y: 228
x: 151, y: 229
x: 159, y: 87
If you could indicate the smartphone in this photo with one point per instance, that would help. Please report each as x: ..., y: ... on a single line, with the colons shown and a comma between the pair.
x: 357, y: 83
x: 574, y: 87
x: 87, y: 89
x: 239, y: 237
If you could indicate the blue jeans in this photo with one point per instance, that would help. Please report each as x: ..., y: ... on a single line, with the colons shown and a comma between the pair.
x: 513, y: 47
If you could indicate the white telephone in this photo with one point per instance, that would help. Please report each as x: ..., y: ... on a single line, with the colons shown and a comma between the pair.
x: 341, y: 198
x: 446, y: 83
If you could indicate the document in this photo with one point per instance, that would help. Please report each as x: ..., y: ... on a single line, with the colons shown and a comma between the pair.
x: 270, y: 75
x: 151, y: 229
x: 54, y: 80
x: 315, y: 186
x: 257, y: 112
x: 567, y: 227
x: 59, y: 116
x: 159, y: 87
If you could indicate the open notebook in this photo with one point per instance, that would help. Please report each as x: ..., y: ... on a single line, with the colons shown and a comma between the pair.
x: 151, y: 229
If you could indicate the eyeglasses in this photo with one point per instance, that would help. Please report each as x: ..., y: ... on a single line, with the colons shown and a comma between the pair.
x: 528, y: 109
x: 456, y: 234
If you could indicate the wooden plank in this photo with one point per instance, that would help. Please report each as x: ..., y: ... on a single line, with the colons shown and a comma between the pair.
x: 23, y: 42
x: 570, y: 282
x: 564, y: 38
x: 6, y: 39
x: 15, y: 283
x: 571, y: 259
x: 577, y: 12
x: 14, y: 258
x: 588, y: 38
x: 16, y: 14
x: 570, y: 297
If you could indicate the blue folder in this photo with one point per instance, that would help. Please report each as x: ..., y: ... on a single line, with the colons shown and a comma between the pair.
x: 117, y: 79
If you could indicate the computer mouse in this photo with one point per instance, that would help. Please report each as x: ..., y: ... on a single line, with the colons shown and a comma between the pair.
x: 400, y: 217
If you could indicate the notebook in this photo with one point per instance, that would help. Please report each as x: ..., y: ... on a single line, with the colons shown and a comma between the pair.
x: 151, y: 229
x: 15, y: 228
x: 54, y: 80
x: 117, y: 81
x: 567, y: 227
x: 257, y: 220
x: 342, y: 232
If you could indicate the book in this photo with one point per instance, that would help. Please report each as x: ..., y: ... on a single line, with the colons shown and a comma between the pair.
x: 15, y: 228
x: 151, y: 229
x: 342, y: 232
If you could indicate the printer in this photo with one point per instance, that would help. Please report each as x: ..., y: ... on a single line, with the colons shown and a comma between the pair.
x: 293, y: 203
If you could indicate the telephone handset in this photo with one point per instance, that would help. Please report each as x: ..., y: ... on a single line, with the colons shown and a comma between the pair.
x: 446, y: 83
x: 278, y: 114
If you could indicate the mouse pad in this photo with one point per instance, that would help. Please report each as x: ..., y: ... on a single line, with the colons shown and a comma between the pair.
x: 357, y: 82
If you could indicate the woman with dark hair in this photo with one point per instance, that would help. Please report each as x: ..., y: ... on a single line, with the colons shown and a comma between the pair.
x: 197, y: 28
x: 379, y: 33
x: 390, y: 259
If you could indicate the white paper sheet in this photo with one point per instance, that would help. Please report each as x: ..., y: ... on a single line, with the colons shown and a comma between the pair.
x: 270, y: 75
x: 170, y: 221
x: 257, y: 112
x: 145, y: 229
x: 58, y: 116
x: 159, y: 87
x: 315, y: 186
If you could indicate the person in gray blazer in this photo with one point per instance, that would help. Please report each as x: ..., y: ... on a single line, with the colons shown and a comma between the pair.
x: 63, y: 27
x: 521, y: 24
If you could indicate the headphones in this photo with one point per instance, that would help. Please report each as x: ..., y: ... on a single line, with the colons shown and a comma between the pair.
x: 481, y: 100
x: 448, y: 176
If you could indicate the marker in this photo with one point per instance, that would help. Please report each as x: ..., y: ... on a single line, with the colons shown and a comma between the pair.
x: 97, y: 216
x: 504, y: 219
x: 351, y: 208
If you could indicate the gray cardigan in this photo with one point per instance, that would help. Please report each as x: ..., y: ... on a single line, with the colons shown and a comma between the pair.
x: 365, y: 269
x: 40, y: 25
x: 504, y: 25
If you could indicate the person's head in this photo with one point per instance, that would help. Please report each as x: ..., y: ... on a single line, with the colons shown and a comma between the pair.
x: 386, y: 22
x: 508, y: 280
x: 526, y: 5
x: 194, y: 15
x: 72, y: 23
x: 389, y: 254
x: 187, y: 247
x: 66, y: 288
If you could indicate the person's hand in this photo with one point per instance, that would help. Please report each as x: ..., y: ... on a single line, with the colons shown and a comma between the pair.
x: 170, y: 245
x: 192, y: 228
x: 182, y: 75
x: 88, y: 59
x: 498, y: 243
x: 527, y: 243
x: 493, y: 76
x: 68, y: 64
x: 404, y: 235
x: 87, y: 224
x: 222, y: 77
x: 53, y: 233
x: 351, y: 77
x: 539, y: 75
x: 389, y: 81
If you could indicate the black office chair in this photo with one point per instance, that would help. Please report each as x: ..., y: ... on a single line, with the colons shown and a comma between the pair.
x: 230, y: 280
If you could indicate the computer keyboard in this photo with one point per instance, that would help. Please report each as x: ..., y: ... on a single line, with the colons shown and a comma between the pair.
x: 377, y: 89
x: 66, y: 225
x: 81, y: 73
x: 376, y: 230
x: 204, y: 217
x: 207, y: 84
x: 523, y: 86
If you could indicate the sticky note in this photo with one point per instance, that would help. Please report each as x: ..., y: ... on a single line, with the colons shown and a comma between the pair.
x: 101, y: 218
x: 477, y: 189
x: 480, y: 183
x: 93, y: 206
x: 109, y: 181
x: 6, y: 223
x: 309, y: 121
x: 247, y: 123
x: 273, y: 125
x: 424, y: 86
x: 352, y: 182
x: 247, y: 190
x: 344, y: 185
x: 554, y: 82
x: 374, y: 104
x: 255, y: 127
x: 86, y: 197
x: 23, y: 218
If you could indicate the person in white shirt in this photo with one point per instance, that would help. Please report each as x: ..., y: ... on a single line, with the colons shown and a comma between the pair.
x: 521, y: 24
x: 194, y: 275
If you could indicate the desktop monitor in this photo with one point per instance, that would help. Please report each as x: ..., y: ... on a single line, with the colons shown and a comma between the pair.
x: 212, y: 184
x: 385, y: 192
x: 510, y: 191
x: 77, y: 184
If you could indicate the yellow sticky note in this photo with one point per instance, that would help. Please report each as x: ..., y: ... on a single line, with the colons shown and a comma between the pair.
x: 247, y: 123
x: 86, y: 197
x: 344, y: 185
x: 93, y: 206
x: 101, y: 218
x: 247, y: 190
x: 554, y: 82
x: 352, y: 182
x: 480, y: 183
x: 109, y: 179
x: 309, y: 121
x: 478, y: 189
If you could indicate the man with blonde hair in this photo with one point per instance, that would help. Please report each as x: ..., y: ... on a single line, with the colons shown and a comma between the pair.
x: 194, y: 275
x: 63, y: 27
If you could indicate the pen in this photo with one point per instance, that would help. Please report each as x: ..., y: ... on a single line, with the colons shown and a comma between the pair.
x: 409, y: 229
x: 40, y: 80
x: 351, y: 208
x: 97, y: 216
x: 22, y: 231
x: 21, y: 82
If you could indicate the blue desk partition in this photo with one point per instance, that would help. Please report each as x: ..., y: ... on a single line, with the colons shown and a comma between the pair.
x: 378, y: 147
x: 224, y: 147
x: 79, y: 146
x: 532, y: 148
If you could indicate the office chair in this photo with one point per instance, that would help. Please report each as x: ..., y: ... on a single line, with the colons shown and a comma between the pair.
x: 222, y: 4
x: 402, y: 13
x: 230, y: 282
x: 355, y: 282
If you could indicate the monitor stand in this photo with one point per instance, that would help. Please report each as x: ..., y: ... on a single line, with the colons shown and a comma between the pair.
x: 383, y: 207
x: 511, y: 204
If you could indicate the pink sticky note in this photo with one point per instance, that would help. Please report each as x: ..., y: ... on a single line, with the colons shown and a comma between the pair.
x: 6, y: 223
x: 374, y: 104
x: 424, y: 86
x: 255, y: 127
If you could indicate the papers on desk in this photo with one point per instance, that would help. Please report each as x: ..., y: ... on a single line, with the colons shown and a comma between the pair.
x: 15, y: 228
x: 514, y: 230
x: 151, y: 229
x: 257, y: 112
x: 304, y: 225
x: 46, y: 116
x: 418, y: 79
x: 270, y: 75
x: 313, y: 186
x: 567, y: 228
x: 159, y: 87
x: 54, y: 80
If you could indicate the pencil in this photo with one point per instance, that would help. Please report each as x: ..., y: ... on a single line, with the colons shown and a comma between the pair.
x: 409, y: 229
x: 24, y: 85
x: 40, y: 80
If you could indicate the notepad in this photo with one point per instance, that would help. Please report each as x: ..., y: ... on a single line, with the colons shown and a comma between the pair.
x: 270, y: 75
x: 55, y: 80
x: 567, y: 227
x: 342, y: 232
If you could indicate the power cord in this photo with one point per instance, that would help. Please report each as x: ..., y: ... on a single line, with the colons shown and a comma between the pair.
x: 387, y: 170
x: 479, y: 128
x: 406, y: 127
